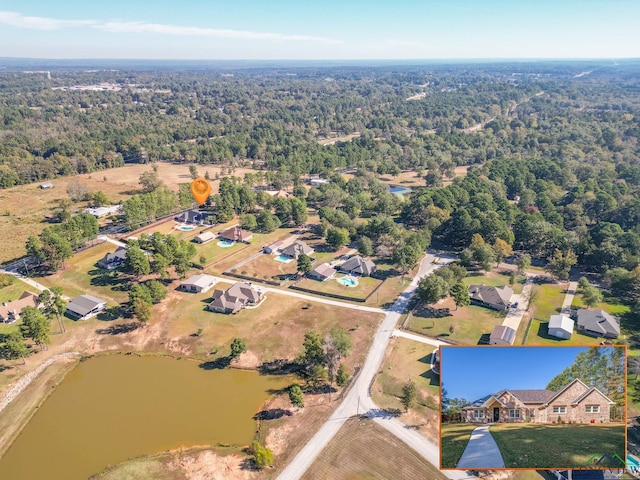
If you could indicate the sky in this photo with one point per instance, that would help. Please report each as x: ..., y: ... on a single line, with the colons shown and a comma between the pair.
x: 473, y: 372
x: 320, y: 30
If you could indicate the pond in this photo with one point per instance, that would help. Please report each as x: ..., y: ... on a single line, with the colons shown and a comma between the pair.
x: 399, y: 190
x: 111, y: 408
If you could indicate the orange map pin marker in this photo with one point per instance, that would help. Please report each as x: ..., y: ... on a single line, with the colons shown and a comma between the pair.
x: 200, y: 189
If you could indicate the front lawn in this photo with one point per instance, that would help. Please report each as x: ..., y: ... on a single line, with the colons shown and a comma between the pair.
x: 557, y: 446
x: 453, y: 440
x: 365, y: 286
x: 267, y: 267
x: 547, y: 300
x: 539, y: 335
x: 13, y: 291
x: 495, y: 279
x: 467, y: 325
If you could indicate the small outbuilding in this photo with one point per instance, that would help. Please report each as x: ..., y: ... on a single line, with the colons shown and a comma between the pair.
x: 204, y: 237
x: 85, y: 307
x: 560, y: 326
x: 502, y: 335
x: 46, y: 186
x: 198, y: 283
x: 274, y: 247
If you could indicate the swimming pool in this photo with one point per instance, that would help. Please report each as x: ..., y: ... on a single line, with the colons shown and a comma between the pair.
x: 347, y: 281
x: 185, y: 228
x: 225, y: 243
x: 283, y: 259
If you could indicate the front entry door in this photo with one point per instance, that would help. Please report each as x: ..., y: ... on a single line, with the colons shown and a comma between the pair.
x: 496, y: 414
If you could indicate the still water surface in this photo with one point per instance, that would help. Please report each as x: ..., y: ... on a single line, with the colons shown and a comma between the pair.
x: 115, y: 407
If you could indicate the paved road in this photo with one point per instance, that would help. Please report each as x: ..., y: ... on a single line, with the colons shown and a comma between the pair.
x: 358, y: 400
x: 481, y: 451
x: 111, y: 240
x: 514, y: 315
x: 418, y: 338
x: 568, y: 298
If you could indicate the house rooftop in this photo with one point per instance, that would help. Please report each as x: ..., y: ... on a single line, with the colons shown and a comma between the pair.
x: 504, y: 333
x: 598, y: 321
x: 84, y: 304
x: 201, y: 280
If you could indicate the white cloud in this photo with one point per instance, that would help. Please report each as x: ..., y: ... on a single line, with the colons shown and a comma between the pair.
x: 41, y: 23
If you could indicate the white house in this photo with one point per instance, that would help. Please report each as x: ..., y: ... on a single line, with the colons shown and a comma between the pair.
x: 198, y: 283
x: 85, y: 306
x: 560, y: 326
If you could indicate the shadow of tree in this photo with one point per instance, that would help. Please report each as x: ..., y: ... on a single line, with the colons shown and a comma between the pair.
x: 119, y: 329
x: 383, y: 413
x: 426, y: 359
x: 111, y: 314
x: 430, y: 312
x: 104, y: 278
x: 272, y: 414
x: 434, y: 380
x: 280, y: 366
x: 217, y: 364
x: 248, y: 465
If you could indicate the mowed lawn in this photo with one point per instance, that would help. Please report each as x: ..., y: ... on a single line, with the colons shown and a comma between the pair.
x: 81, y: 275
x: 13, y: 292
x: 365, y: 286
x: 453, y: 440
x: 266, y: 266
x: 364, y: 450
x: 495, y: 279
x: 467, y: 325
x: 557, y: 446
x: 548, y: 301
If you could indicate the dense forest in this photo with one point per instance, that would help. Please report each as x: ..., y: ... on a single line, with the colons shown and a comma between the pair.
x: 553, y: 148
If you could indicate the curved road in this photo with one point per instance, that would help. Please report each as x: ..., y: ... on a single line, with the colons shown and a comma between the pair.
x: 358, y: 400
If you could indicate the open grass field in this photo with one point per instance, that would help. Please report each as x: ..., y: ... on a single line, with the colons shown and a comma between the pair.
x: 453, y: 440
x: 364, y: 450
x: 494, y: 279
x: 557, y: 446
x: 548, y: 301
x: 365, y: 286
x: 466, y: 325
x: 13, y: 291
x: 610, y: 304
x: 27, y: 205
x: 334, y: 140
x: 405, y: 360
x: 81, y: 276
x: 273, y: 330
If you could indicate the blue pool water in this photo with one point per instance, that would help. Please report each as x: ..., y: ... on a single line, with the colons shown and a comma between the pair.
x: 185, y: 228
x: 225, y: 243
x: 347, y: 282
x: 283, y: 259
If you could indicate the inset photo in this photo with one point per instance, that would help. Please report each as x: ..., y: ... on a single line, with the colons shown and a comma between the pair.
x: 532, y: 407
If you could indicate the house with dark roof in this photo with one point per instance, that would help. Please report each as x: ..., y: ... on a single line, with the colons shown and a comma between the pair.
x: 198, y: 283
x: 498, y: 298
x: 502, y: 335
x: 85, y: 306
x: 194, y: 217
x: 357, y: 265
x: 575, y: 402
x: 322, y: 272
x: 597, y: 323
x: 10, y: 311
x: 236, y: 234
x: 238, y: 296
x: 113, y: 260
x: 296, y: 249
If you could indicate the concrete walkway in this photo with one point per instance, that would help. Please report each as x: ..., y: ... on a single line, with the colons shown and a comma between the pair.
x: 482, y: 451
x: 568, y: 298
x: 514, y: 315
x: 418, y: 338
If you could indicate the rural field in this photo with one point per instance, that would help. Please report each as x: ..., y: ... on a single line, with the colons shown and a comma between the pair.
x: 409, y: 359
x: 24, y: 207
x: 362, y: 449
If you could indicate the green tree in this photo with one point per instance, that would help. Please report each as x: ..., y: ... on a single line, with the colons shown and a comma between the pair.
x: 313, y: 351
x: 591, y: 296
x: 35, y: 326
x: 560, y: 263
x: 304, y: 263
x: 193, y: 171
x: 583, y: 283
x: 365, y: 246
x: 460, y: 295
x: 136, y: 262
x: 150, y: 181
x: 248, y: 222
x: 238, y: 347
x: 141, y: 310
x: 157, y: 290
x: 524, y: 263
x: 485, y: 256
x: 432, y: 288
x: 342, y: 377
x: 267, y: 222
x: 262, y: 456
x: 337, y: 237
x: 409, y: 397
x: 295, y: 396
x: 318, y: 376
x: 501, y: 249
x: 15, y: 347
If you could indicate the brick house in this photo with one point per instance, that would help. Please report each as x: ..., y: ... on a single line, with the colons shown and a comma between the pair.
x: 575, y: 402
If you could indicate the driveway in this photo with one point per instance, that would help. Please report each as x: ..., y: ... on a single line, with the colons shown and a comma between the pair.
x: 514, y: 315
x: 482, y: 451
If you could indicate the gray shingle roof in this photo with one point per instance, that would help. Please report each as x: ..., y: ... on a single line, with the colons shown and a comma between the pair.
x: 491, y: 295
x: 598, y: 321
x: 503, y: 332
x: 84, y: 304
x: 532, y: 396
x: 359, y: 265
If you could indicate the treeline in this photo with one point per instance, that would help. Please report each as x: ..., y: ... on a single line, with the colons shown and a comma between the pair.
x: 275, y: 120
